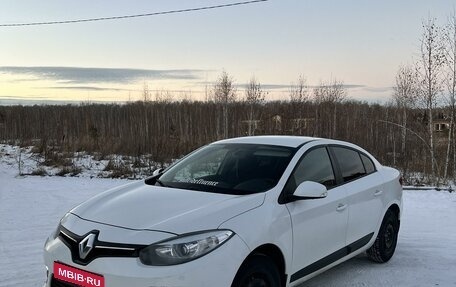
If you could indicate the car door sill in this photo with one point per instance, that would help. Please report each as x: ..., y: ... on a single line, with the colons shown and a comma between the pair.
x: 333, y: 257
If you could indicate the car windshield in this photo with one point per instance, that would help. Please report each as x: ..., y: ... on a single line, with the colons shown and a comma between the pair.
x: 230, y: 168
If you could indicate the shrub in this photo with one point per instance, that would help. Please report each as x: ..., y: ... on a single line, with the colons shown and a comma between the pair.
x: 39, y: 171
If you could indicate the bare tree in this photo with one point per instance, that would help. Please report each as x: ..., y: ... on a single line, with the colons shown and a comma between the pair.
x: 331, y: 93
x: 224, y: 93
x: 186, y: 97
x: 429, y: 69
x: 254, y: 97
x: 299, y: 96
x: 449, y: 38
x: 299, y: 92
x: 163, y: 96
x: 405, y: 96
x: 146, y: 92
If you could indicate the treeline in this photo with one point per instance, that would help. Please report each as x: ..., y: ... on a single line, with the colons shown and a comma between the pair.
x: 168, y: 130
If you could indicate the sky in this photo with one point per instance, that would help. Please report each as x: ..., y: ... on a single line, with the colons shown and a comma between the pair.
x: 360, y: 42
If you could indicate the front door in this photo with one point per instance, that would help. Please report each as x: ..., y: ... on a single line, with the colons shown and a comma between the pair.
x: 319, y: 225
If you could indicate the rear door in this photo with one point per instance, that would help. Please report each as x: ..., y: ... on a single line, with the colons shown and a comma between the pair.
x: 363, y: 185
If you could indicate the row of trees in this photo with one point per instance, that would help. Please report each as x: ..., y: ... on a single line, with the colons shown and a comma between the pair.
x: 224, y: 94
x: 168, y: 130
x: 430, y: 83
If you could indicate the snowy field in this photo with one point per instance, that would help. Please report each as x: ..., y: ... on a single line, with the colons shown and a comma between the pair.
x: 30, y: 208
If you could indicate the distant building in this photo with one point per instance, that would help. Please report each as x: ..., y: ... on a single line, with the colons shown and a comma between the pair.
x: 303, y: 123
x: 441, y: 125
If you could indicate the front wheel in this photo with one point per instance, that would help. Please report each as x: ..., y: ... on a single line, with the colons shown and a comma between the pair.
x: 386, y: 241
x: 257, y: 271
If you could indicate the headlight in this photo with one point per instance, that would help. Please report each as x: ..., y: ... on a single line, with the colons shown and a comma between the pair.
x: 184, y: 248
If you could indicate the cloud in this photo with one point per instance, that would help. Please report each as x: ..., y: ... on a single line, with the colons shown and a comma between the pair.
x: 353, y: 86
x: 243, y: 85
x: 280, y: 86
x: 25, y: 97
x: 378, y: 89
x: 78, y: 75
x: 83, y: 88
x: 31, y: 102
x: 19, y: 80
x: 268, y: 86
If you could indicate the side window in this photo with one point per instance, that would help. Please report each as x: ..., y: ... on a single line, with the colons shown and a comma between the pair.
x: 368, y: 164
x: 350, y: 163
x: 315, y: 166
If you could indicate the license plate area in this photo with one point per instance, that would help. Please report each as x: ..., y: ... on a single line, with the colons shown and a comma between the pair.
x: 77, y: 276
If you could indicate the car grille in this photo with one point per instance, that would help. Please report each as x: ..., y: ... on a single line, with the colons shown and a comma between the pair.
x: 101, y: 248
x: 58, y: 283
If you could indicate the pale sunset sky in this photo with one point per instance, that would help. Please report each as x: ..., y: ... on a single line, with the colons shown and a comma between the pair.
x: 361, y: 42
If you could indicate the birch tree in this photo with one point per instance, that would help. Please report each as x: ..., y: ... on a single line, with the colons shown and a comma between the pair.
x: 449, y: 38
x: 146, y: 92
x: 299, y: 95
x: 299, y: 92
x: 429, y: 68
x: 224, y: 94
x: 254, y: 97
x: 332, y: 93
x: 405, y: 96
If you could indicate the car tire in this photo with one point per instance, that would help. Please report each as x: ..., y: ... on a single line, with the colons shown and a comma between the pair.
x: 386, y: 241
x: 257, y: 271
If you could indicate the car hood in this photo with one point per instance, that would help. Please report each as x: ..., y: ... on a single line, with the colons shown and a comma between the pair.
x: 144, y: 207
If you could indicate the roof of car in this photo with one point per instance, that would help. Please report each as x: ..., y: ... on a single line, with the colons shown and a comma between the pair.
x: 292, y: 141
x: 289, y: 141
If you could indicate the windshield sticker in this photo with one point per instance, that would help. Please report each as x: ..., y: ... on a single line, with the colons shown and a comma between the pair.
x: 198, y: 181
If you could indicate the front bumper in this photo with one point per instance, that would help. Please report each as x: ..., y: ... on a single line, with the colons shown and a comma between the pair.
x: 217, y: 268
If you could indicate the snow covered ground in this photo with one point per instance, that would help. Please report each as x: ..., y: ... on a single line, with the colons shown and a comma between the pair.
x: 31, y: 206
x: 79, y: 164
x: 425, y: 254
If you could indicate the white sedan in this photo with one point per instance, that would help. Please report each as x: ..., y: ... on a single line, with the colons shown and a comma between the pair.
x: 253, y: 211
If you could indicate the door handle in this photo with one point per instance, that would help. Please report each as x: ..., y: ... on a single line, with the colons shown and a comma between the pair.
x: 378, y: 192
x: 341, y: 207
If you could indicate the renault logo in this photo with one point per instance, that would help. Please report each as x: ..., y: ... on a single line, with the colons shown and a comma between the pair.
x: 86, y: 245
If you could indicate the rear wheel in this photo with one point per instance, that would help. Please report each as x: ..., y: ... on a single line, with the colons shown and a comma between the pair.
x: 386, y: 241
x: 257, y: 271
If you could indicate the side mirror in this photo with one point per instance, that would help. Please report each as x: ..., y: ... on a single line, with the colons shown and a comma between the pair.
x: 310, y: 190
x: 151, y: 180
x: 158, y: 171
